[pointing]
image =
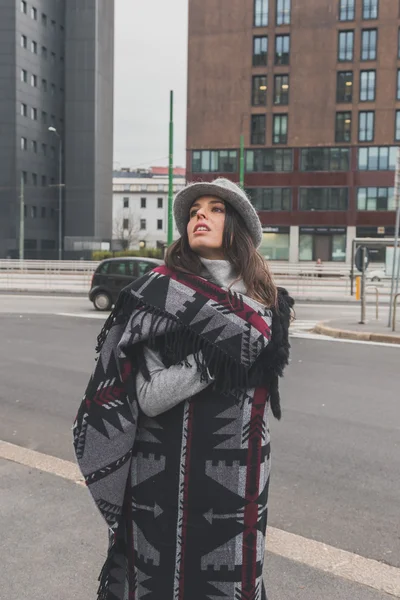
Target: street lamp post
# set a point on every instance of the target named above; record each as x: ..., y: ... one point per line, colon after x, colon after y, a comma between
x: 54, y: 130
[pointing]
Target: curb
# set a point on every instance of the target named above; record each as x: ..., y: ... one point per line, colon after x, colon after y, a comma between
x: 366, y: 336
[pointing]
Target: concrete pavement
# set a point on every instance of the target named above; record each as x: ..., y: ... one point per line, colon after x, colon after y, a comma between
x: 54, y: 542
x: 371, y: 331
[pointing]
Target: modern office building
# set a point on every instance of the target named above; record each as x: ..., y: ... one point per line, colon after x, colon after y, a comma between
x: 314, y: 87
x: 56, y: 71
x: 140, y: 207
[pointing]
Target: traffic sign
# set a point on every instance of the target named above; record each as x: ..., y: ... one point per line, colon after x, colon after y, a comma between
x: 359, y: 258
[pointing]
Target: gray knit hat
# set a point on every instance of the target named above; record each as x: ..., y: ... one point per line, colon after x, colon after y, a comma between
x: 227, y: 191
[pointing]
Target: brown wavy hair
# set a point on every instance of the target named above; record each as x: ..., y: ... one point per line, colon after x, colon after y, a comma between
x: 239, y: 250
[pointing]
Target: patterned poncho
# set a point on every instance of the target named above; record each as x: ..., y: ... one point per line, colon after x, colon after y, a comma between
x: 184, y: 494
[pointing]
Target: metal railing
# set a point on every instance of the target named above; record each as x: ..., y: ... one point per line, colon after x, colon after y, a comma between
x: 395, y: 299
x: 373, y: 287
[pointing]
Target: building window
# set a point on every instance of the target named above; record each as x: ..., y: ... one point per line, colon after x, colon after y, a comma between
x: 24, y: 143
x: 281, y: 89
x: 398, y: 85
x: 260, y: 51
x: 269, y: 160
x: 34, y: 80
x: 222, y: 161
x: 259, y: 91
x: 126, y: 202
x: 397, y: 127
x: 24, y: 7
x: 345, y: 46
x: 34, y: 179
x: 344, y: 86
x: 34, y: 114
x: 282, y: 49
x: 53, y: 152
x: 53, y: 24
x: 159, y: 224
x: 34, y: 146
x: 258, y: 127
x: 377, y: 158
x: 325, y: 159
x: 24, y: 110
x: 24, y: 41
x: 44, y: 117
x: 142, y: 202
x: 323, y: 242
x: 53, y: 89
x: 373, y: 198
x: 367, y: 86
x: 280, y: 132
x: 44, y: 85
x: 369, y: 39
x: 276, y: 198
x: 125, y: 224
x: 260, y: 13
x: 142, y: 224
x: 34, y: 47
x: 33, y: 212
x: 315, y: 198
x: 24, y: 76
x: 44, y: 181
x: 159, y: 203
x: 44, y: 52
x: 343, y: 127
x: 43, y: 212
x: 370, y: 9
x: 275, y: 245
x: 366, y: 120
x: 24, y: 177
x: 346, y: 10
x: 53, y: 58
x: 44, y: 20
x: 34, y: 13
x: 283, y: 12
x: 44, y: 149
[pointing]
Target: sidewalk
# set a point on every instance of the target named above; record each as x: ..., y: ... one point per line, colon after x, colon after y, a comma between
x: 372, y: 331
x: 53, y: 545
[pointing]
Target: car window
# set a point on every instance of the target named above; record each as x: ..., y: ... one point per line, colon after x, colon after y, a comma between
x: 144, y: 267
x: 131, y: 268
x: 117, y: 268
x: 103, y: 268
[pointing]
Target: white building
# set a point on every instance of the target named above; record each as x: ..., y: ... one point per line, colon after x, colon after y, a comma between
x: 140, y: 208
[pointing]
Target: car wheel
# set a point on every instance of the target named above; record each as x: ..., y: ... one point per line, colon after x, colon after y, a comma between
x: 375, y: 279
x: 102, y: 301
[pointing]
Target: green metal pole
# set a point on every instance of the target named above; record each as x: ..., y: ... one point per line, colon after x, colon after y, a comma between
x: 171, y: 170
x: 241, y: 163
x: 21, y: 219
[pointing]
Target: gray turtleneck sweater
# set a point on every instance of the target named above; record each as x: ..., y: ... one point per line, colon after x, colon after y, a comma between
x: 169, y: 387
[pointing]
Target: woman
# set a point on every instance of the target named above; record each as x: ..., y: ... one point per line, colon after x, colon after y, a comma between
x: 172, y: 435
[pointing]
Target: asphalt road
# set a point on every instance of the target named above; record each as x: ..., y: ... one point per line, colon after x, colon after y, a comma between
x: 336, y: 452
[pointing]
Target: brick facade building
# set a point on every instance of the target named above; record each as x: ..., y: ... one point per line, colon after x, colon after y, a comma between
x: 314, y: 87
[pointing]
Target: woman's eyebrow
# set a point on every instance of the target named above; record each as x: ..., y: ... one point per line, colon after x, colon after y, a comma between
x: 211, y: 202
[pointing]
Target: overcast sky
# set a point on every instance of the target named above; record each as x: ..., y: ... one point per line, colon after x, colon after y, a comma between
x: 150, y: 60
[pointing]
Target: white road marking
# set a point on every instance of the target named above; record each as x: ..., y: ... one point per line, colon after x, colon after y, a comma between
x: 83, y: 315
x: 318, y: 555
x: 45, y: 296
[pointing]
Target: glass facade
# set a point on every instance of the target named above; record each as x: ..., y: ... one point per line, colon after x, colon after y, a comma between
x: 272, y: 199
x: 275, y: 246
x: 213, y: 161
x: 325, y: 159
x: 319, y: 198
x: 269, y: 160
x: 377, y: 158
x: 375, y: 198
x: 327, y: 244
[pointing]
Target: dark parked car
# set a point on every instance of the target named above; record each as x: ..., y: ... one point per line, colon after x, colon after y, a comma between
x: 113, y: 274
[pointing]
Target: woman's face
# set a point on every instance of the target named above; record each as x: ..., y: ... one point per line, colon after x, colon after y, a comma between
x: 206, y: 227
